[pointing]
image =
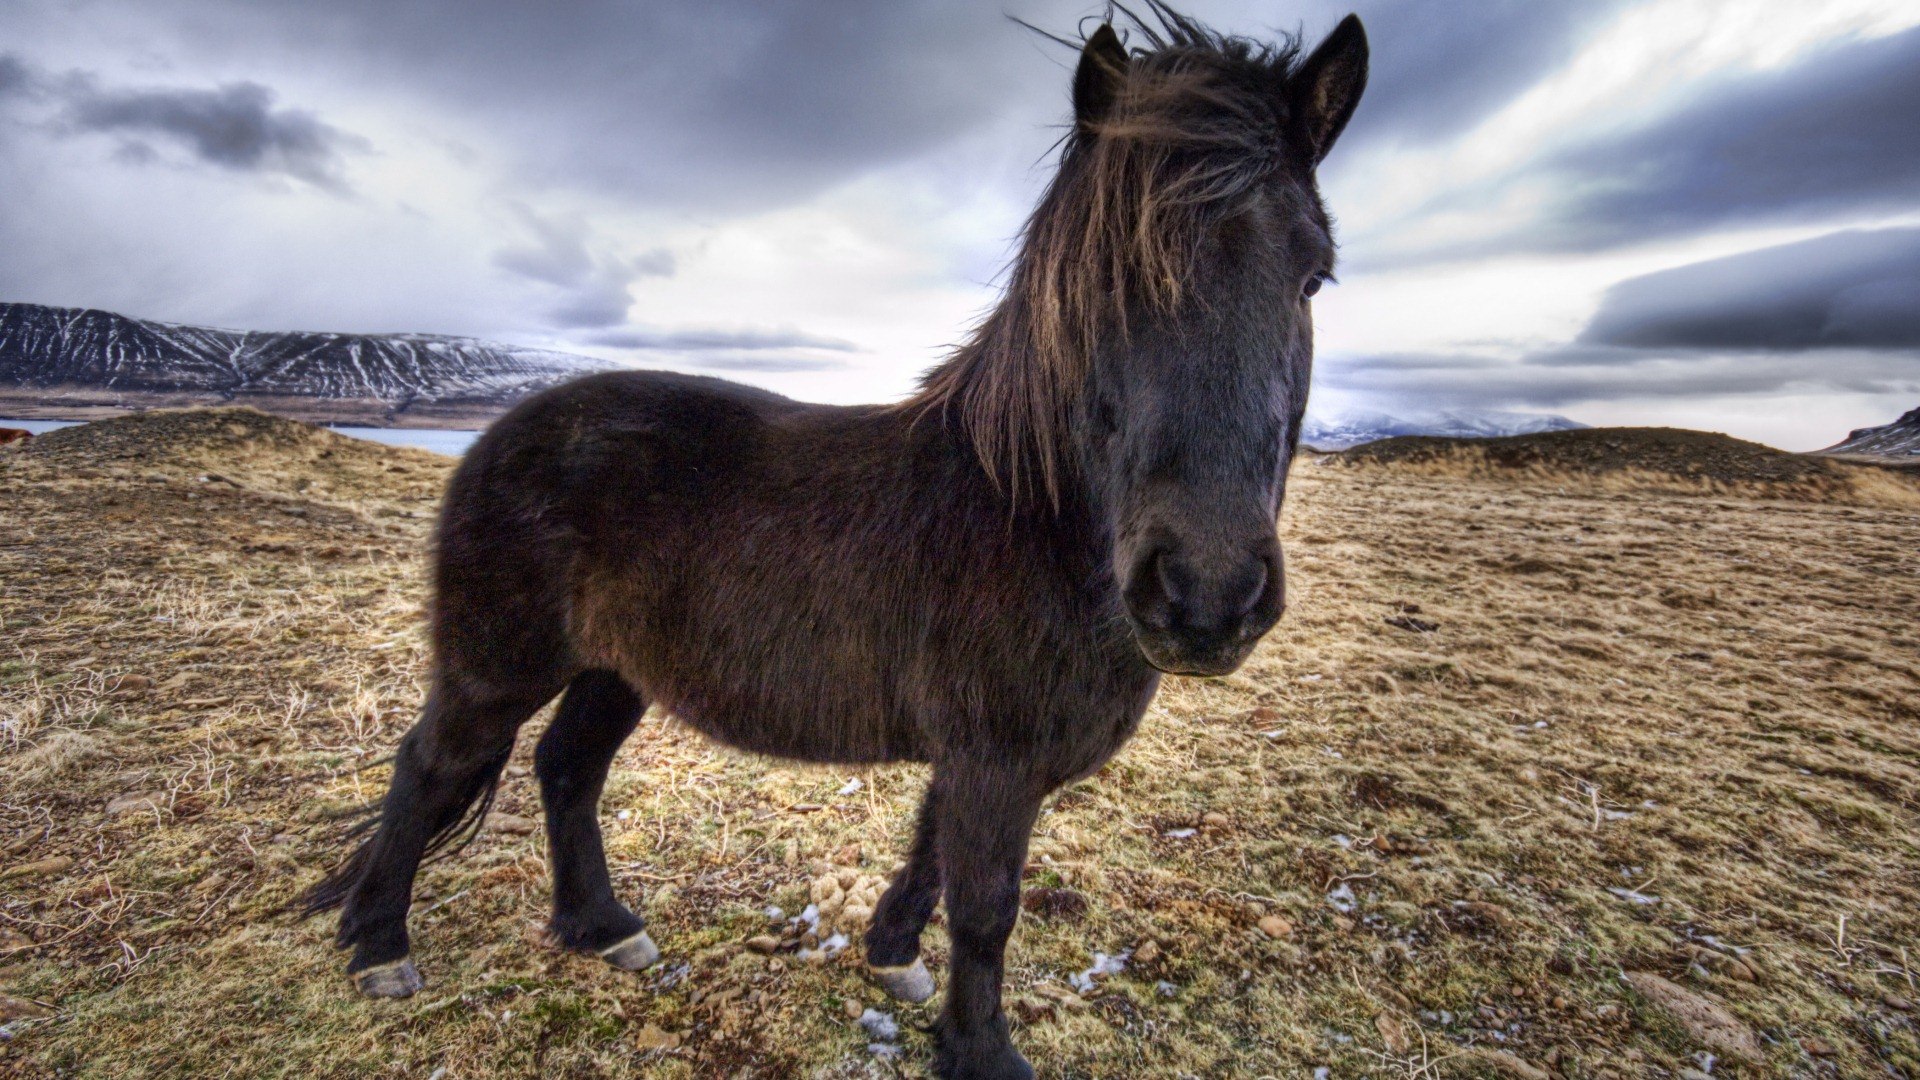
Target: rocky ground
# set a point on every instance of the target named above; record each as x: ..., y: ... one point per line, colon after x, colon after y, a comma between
x: 1545, y: 774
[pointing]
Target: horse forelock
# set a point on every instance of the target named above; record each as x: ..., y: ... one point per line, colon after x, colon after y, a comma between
x: 1195, y: 124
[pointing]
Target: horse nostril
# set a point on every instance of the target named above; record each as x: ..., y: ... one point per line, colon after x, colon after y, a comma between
x: 1253, y: 596
x: 1151, y: 594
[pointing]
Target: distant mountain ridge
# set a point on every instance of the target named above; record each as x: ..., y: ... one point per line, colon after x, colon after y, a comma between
x: 81, y: 360
x: 1354, y: 428
x: 1899, y: 439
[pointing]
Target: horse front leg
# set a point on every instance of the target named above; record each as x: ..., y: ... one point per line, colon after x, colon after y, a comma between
x: 984, y: 825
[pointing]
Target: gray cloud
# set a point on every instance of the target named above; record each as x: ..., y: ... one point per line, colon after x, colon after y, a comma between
x: 14, y: 76
x: 1830, y: 136
x: 1837, y: 313
x: 1835, y: 133
x: 234, y: 126
x: 715, y: 339
x: 1571, y: 375
x: 738, y: 104
x: 768, y: 362
x: 593, y: 287
x: 1859, y: 288
x: 730, y: 105
x: 1439, y: 68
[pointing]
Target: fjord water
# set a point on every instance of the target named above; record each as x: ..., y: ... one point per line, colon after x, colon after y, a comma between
x: 438, y: 440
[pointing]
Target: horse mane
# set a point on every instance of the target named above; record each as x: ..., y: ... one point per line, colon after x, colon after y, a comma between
x: 1196, y: 122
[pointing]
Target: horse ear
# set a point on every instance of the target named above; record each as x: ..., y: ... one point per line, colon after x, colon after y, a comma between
x: 1328, y: 85
x: 1096, y: 84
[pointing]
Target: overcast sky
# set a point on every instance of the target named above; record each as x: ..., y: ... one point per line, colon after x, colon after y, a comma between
x: 1693, y: 212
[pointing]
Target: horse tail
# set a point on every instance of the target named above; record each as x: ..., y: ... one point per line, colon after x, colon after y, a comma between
x: 461, y: 823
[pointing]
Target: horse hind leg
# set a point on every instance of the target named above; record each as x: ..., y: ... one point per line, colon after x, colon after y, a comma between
x: 597, y: 714
x: 893, y: 941
x: 444, y: 777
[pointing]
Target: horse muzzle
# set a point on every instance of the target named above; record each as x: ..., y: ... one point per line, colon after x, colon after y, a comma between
x: 1204, y: 616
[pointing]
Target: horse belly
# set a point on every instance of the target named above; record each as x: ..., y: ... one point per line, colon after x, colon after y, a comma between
x: 830, y: 733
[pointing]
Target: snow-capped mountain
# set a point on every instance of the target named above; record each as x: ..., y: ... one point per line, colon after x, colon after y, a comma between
x: 1347, y: 429
x: 100, y: 359
x: 1899, y: 439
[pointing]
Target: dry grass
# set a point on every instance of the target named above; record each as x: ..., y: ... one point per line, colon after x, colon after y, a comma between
x: 1646, y: 732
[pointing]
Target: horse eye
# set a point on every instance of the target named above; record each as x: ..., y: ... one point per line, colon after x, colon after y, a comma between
x: 1313, y: 285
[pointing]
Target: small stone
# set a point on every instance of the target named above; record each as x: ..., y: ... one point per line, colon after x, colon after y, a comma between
x: 1501, y: 1063
x: 1276, y: 927
x: 1060, y: 996
x: 38, y: 868
x: 1031, y: 1009
x: 852, y: 1008
x: 1393, y: 1034
x: 1491, y: 914
x: 652, y: 1037
x: 512, y: 824
x: 1731, y: 966
x: 766, y: 944
x: 1214, y: 819
x: 132, y: 684
x: 1817, y: 1046
x: 1343, y: 924
x: 1895, y: 1001
x: 1146, y: 952
x: 1560, y: 1002
x: 13, y: 1008
x: 517, y: 770
x: 143, y: 801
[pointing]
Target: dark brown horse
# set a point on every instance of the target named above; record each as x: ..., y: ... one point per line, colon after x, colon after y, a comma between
x: 989, y: 577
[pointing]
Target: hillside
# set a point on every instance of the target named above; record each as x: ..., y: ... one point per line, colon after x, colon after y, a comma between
x: 1662, y: 459
x: 1899, y: 440
x: 1352, y: 428
x: 1545, y: 774
x: 81, y: 363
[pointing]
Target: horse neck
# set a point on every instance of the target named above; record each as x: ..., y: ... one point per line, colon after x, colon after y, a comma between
x: 1073, y: 522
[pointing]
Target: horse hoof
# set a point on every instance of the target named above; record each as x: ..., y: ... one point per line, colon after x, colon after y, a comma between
x: 395, y: 980
x: 907, y: 982
x: 634, y: 954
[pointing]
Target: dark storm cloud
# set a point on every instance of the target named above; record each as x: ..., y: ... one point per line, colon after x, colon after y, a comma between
x: 1859, y: 288
x: 1835, y: 133
x: 234, y: 126
x: 739, y: 104
x: 1840, y: 312
x: 1570, y: 375
x: 725, y: 340
x: 1439, y: 68
x: 1830, y: 136
x: 13, y: 74
x: 730, y: 105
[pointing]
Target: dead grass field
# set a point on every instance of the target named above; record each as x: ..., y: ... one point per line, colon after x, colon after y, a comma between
x: 1541, y: 776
